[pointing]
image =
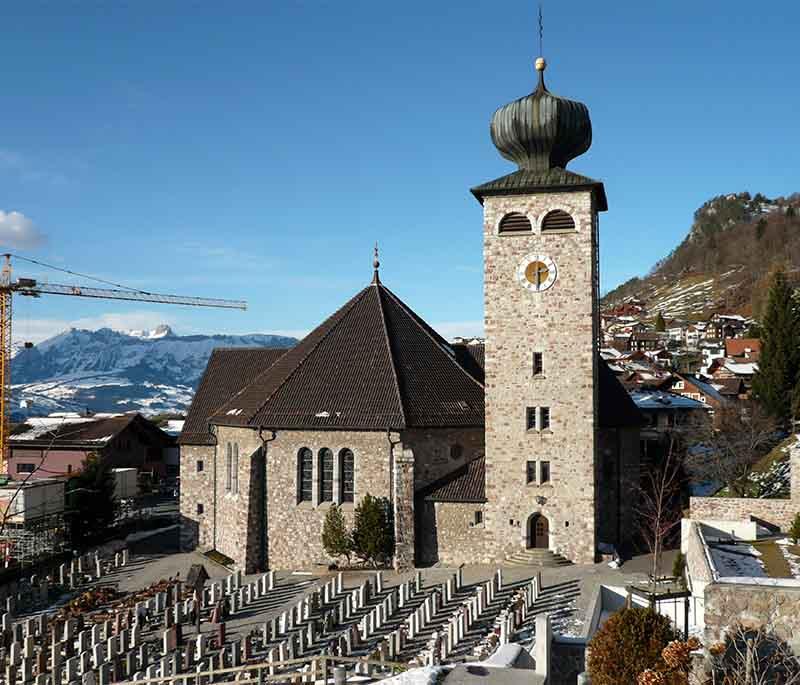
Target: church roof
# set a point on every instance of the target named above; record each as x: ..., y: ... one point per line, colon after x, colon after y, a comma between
x: 551, y: 180
x: 228, y: 371
x: 373, y: 365
x: 466, y: 484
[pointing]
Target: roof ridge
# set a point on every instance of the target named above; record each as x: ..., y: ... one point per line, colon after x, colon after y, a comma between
x: 386, y: 338
x: 426, y: 329
x: 349, y: 308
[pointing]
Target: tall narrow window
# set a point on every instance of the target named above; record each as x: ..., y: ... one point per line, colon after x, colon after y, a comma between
x: 347, y: 464
x: 305, y: 475
x: 229, y: 468
x: 325, y: 475
x: 530, y: 418
x: 235, y: 474
x: 530, y: 472
x: 538, y: 364
x: 544, y: 418
x: 544, y: 471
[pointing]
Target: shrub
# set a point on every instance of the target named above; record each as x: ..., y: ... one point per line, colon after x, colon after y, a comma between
x: 335, y: 538
x: 630, y: 641
x: 794, y: 529
x: 373, y: 531
x: 679, y: 567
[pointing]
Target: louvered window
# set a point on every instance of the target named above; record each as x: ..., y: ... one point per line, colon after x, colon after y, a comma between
x: 514, y: 223
x: 305, y: 475
x: 558, y: 220
x: 325, y: 475
x: 347, y: 463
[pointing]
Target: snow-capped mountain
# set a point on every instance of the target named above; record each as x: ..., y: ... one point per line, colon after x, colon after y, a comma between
x: 105, y: 370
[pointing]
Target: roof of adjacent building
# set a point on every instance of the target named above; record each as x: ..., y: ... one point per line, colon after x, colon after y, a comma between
x: 658, y: 400
x: 466, y: 484
x: 739, y: 347
x: 228, y: 371
x: 68, y: 431
x: 373, y: 365
x: 551, y: 180
x: 729, y: 386
x: 616, y: 408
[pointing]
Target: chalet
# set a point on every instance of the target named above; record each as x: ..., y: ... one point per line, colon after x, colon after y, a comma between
x: 59, y: 444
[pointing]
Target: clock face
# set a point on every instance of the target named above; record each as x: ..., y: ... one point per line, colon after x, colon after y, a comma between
x: 537, y: 272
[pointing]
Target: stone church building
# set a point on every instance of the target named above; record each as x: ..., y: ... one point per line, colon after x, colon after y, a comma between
x: 484, y: 451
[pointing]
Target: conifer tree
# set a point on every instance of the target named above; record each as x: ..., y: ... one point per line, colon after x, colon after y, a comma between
x: 778, y: 367
x: 373, y: 531
x: 335, y: 538
x: 661, y: 325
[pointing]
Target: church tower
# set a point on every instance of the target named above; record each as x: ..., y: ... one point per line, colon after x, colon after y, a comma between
x: 541, y: 316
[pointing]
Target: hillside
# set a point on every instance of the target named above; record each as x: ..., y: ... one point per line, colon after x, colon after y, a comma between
x: 104, y: 370
x: 723, y: 264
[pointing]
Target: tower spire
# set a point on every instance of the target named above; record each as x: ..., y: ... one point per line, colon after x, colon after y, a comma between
x: 376, y: 265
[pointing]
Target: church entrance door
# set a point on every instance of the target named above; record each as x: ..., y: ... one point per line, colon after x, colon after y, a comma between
x: 538, y: 532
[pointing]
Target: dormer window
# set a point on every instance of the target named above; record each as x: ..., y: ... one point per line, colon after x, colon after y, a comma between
x: 558, y: 220
x: 515, y: 223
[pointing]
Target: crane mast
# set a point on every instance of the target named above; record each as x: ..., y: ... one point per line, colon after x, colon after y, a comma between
x: 31, y: 288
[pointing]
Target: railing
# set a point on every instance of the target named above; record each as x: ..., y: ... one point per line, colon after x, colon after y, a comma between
x: 319, y: 668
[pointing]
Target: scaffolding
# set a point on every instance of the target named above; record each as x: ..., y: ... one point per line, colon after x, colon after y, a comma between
x: 24, y: 544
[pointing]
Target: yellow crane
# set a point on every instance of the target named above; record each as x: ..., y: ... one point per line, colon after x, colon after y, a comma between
x: 31, y: 288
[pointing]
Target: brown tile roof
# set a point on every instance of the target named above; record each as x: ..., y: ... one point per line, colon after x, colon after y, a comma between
x: 617, y: 409
x: 83, y: 431
x: 374, y: 364
x: 228, y: 371
x: 730, y: 386
x: 737, y: 347
x: 466, y: 484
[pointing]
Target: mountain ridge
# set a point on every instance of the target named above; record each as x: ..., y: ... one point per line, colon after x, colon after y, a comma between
x: 106, y: 370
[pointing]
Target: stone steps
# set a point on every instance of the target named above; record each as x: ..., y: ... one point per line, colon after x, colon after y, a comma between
x: 536, y: 557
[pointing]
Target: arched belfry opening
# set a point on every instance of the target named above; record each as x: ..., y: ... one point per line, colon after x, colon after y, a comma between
x: 538, y: 532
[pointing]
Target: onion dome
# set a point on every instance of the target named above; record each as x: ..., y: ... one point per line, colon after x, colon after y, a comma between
x: 542, y: 131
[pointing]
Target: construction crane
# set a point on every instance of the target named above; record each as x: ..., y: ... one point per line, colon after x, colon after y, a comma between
x: 31, y: 288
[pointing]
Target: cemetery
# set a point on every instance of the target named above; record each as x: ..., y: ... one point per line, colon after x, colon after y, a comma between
x: 75, y: 627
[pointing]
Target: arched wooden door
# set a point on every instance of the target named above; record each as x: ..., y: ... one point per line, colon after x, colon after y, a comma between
x: 538, y: 532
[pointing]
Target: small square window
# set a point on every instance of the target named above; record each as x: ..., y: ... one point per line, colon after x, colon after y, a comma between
x: 544, y: 471
x: 199, y: 466
x: 199, y: 508
x: 544, y: 418
x: 530, y: 418
x: 538, y: 364
x: 530, y: 472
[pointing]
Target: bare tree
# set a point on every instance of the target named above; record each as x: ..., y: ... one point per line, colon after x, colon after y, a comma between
x: 658, y: 507
x: 753, y: 656
x: 728, y: 452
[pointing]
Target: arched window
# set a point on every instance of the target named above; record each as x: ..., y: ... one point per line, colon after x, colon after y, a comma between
x: 347, y: 466
x: 325, y: 475
x: 305, y: 475
x: 514, y: 223
x: 558, y: 220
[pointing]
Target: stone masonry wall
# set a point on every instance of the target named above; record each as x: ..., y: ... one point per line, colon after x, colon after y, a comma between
x: 560, y: 323
x: 197, y: 488
x: 459, y: 539
x: 432, y: 450
x: 752, y: 605
x: 779, y: 512
x: 295, y: 529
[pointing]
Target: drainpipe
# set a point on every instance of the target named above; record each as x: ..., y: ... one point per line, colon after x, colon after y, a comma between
x: 212, y: 431
x: 264, y: 493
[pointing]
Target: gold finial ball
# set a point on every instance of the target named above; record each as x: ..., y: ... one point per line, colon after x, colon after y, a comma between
x: 541, y: 65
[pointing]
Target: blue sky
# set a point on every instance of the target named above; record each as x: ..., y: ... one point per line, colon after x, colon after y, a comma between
x: 258, y: 150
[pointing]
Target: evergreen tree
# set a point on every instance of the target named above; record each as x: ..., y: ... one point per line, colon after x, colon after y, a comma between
x: 661, y: 325
x: 373, y: 531
x: 761, y: 227
x: 790, y: 212
x: 91, y: 504
x: 778, y: 367
x: 335, y: 538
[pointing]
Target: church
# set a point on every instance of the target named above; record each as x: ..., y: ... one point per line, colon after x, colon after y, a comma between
x: 525, y: 447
